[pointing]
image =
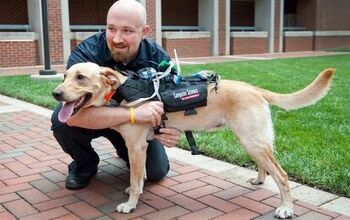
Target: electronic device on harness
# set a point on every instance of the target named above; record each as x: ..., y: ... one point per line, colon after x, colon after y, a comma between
x: 178, y: 93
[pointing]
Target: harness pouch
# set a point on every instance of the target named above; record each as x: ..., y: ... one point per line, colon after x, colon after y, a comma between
x: 133, y: 89
x: 185, y: 98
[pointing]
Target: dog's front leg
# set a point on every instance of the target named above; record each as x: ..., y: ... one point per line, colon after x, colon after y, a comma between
x: 137, y: 157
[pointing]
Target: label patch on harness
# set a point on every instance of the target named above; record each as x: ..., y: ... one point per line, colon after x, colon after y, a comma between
x: 187, y: 94
x: 188, y: 97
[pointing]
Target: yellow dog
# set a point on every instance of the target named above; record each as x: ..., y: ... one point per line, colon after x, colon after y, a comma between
x: 240, y: 106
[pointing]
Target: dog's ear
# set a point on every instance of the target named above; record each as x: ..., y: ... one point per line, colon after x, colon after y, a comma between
x: 110, y: 76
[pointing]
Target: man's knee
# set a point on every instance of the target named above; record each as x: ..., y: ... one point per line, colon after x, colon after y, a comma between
x: 63, y: 136
x: 55, y: 123
x: 157, y: 163
x: 69, y: 137
x: 155, y: 174
x: 61, y: 131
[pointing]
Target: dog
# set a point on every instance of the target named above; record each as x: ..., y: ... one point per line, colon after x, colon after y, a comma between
x: 240, y: 106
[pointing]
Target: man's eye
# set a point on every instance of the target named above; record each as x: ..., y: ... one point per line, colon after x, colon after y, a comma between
x: 80, y: 77
x: 128, y: 31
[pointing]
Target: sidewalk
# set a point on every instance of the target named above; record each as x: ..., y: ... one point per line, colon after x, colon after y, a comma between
x: 33, y: 169
x: 264, y: 56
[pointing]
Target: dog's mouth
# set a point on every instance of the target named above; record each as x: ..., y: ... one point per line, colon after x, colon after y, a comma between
x: 68, y: 109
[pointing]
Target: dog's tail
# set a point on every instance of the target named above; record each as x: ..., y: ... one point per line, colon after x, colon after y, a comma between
x: 305, y: 97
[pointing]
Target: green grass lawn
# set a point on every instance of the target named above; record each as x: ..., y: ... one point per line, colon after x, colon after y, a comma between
x: 312, y: 144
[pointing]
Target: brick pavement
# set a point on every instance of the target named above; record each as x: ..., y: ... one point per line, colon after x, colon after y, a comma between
x: 33, y: 169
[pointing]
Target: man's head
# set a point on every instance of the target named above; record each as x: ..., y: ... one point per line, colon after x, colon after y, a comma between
x: 126, y: 27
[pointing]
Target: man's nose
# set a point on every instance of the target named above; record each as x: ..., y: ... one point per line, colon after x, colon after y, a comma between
x: 117, y: 38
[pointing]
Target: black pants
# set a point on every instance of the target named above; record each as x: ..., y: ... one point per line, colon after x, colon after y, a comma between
x: 76, y: 142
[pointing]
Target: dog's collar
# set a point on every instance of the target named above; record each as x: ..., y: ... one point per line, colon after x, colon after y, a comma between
x: 108, y: 96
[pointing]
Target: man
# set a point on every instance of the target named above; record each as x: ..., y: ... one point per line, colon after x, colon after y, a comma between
x: 123, y: 46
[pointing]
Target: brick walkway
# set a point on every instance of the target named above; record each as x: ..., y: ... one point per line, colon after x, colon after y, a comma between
x: 33, y: 169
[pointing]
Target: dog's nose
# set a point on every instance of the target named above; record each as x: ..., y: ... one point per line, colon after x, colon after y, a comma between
x: 58, y: 94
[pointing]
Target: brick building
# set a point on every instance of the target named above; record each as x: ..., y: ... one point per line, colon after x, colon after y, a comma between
x: 194, y: 27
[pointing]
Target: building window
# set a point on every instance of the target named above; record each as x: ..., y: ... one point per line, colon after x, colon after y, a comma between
x: 14, y: 16
x: 291, y: 16
x: 180, y: 15
x: 242, y: 15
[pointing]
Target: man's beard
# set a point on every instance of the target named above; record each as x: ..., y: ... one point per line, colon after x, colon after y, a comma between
x: 120, y: 57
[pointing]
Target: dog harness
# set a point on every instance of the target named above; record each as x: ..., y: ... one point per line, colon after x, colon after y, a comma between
x: 178, y: 93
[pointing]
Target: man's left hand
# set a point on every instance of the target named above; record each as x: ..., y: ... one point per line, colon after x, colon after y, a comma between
x: 169, y: 137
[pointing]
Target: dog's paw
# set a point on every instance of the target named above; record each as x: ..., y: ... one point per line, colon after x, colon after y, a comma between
x: 256, y: 181
x: 284, y: 212
x: 125, y: 207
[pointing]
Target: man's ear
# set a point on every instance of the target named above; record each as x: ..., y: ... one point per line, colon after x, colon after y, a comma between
x: 146, y: 30
x: 110, y: 76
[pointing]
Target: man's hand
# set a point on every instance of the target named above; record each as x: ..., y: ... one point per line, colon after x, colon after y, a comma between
x: 169, y: 137
x: 150, y: 112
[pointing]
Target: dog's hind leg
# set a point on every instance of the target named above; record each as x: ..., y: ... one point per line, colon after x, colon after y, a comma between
x: 263, y: 155
x: 253, y: 128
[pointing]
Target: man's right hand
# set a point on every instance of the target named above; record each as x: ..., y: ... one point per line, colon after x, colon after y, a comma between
x: 150, y: 112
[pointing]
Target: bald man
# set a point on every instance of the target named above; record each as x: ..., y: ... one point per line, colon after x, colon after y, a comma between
x: 124, y: 46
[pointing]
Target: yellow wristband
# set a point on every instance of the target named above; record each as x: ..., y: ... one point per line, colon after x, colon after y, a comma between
x: 132, y: 115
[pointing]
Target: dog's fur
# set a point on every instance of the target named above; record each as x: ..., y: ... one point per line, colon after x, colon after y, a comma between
x: 240, y: 106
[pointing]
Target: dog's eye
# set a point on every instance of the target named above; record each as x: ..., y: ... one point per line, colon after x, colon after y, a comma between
x: 80, y: 77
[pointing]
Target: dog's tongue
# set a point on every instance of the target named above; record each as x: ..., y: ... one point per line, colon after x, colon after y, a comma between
x: 66, y: 111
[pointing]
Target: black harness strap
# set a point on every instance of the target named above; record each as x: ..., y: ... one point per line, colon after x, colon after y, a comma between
x: 192, y: 143
x: 189, y: 137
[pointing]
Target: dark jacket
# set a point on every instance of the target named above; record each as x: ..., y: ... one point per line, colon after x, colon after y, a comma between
x: 94, y: 49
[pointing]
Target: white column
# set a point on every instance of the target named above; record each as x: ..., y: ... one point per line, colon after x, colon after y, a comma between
x: 215, y: 50
x: 36, y: 23
x: 159, y: 22
x: 265, y: 19
x: 227, y: 27
x: 280, y: 46
x: 65, y: 29
x: 208, y: 20
x: 272, y: 27
x: 158, y: 19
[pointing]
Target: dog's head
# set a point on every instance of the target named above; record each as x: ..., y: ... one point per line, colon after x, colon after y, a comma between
x: 84, y: 85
